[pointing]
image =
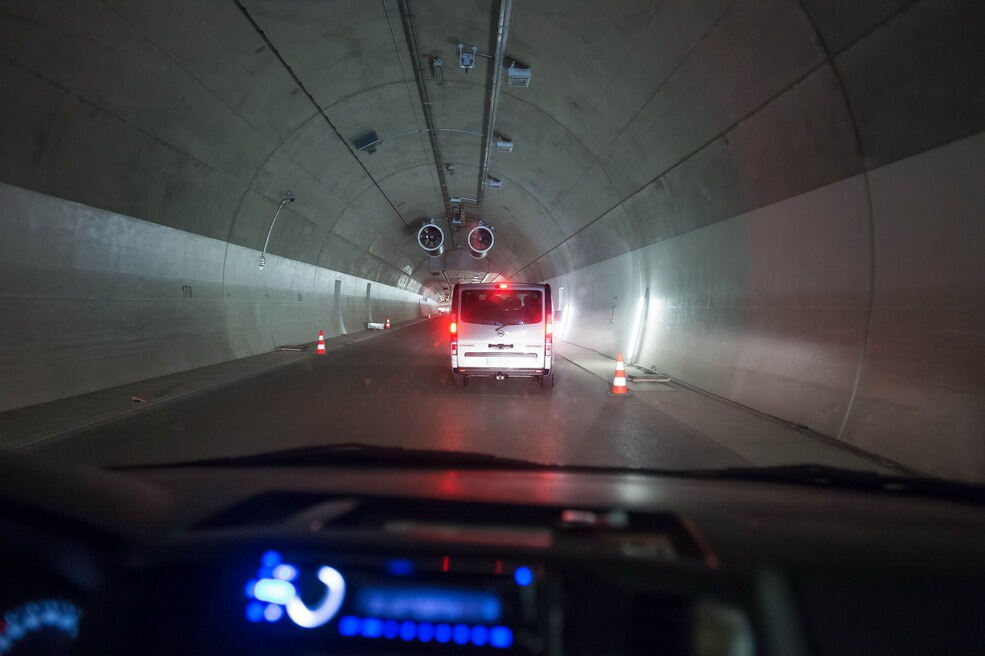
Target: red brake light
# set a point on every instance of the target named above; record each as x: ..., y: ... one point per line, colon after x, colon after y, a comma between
x: 549, y: 334
x: 503, y: 285
x: 453, y: 336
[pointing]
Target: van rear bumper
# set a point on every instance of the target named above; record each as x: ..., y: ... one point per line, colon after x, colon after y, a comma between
x: 479, y: 372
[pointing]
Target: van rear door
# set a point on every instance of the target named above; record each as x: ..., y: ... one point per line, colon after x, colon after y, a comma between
x: 501, y: 328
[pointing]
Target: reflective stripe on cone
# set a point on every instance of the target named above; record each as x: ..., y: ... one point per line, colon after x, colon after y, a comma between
x: 321, y: 343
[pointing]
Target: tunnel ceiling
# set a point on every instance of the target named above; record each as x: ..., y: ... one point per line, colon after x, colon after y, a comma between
x: 643, y: 119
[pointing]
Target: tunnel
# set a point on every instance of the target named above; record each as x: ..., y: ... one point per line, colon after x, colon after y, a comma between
x: 777, y: 204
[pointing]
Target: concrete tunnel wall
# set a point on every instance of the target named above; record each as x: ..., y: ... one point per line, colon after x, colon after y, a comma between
x: 811, y: 215
x: 90, y: 299
x: 857, y: 319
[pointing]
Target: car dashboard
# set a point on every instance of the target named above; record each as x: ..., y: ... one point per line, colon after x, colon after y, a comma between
x: 391, y: 560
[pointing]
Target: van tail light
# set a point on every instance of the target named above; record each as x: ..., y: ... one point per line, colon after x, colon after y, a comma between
x: 453, y: 334
x: 549, y: 335
x: 453, y: 326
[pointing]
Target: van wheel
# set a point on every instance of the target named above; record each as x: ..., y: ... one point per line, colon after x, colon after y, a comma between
x: 547, y: 381
x: 461, y: 381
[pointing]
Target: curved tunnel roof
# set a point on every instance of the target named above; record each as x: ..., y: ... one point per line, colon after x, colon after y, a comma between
x: 643, y: 120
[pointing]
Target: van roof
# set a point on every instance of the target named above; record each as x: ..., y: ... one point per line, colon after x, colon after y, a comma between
x: 495, y: 285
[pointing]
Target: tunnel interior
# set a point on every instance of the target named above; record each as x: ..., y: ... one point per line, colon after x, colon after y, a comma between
x: 778, y: 203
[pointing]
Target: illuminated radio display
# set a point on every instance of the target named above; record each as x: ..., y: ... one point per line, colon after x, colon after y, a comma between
x: 429, y: 604
x: 387, y: 605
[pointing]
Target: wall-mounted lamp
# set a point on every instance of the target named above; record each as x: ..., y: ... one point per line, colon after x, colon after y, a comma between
x: 286, y: 197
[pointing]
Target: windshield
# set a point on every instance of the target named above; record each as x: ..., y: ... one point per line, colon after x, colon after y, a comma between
x: 237, y: 228
x: 499, y: 307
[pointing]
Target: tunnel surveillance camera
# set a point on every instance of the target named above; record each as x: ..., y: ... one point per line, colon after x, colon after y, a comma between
x: 431, y: 238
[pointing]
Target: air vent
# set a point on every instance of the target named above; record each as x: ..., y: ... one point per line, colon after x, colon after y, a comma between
x: 263, y: 510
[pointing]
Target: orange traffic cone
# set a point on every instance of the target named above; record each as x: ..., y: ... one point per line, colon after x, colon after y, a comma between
x: 321, y: 343
x: 619, y: 380
x: 387, y: 326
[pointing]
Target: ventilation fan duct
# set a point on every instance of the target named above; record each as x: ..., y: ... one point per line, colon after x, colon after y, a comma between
x: 431, y: 238
x: 480, y: 241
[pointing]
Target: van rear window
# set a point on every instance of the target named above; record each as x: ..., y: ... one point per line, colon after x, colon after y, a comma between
x: 507, y: 307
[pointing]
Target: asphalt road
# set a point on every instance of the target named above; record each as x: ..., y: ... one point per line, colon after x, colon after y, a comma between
x: 396, y: 389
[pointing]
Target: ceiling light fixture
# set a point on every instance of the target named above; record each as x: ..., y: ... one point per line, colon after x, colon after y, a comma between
x: 503, y: 143
x: 518, y: 75
x: 467, y: 58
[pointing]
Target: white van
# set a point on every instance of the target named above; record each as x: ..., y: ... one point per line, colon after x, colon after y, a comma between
x: 502, y: 330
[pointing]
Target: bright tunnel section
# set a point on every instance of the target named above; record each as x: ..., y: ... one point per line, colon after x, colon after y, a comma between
x: 775, y: 204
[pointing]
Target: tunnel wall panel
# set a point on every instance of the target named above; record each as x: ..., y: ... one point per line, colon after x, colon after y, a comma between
x: 771, y: 308
x: 921, y: 393
x: 91, y: 299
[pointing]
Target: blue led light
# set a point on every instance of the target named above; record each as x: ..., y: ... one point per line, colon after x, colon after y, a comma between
x: 273, y: 612
x: 391, y: 629
x: 400, y: 567
x: 372, y: 627
x: 349, y: 625
x: 274, y: 591
x: 270, y: 559
x: 461, y: 634
x: 523, y: 576
x: 500, y: 636
x: 425, y: 631
x: 248, y: 590
x: 429, y: 604
x: 285, y: 572
x: 254, y: 611
x: 480, y: 635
